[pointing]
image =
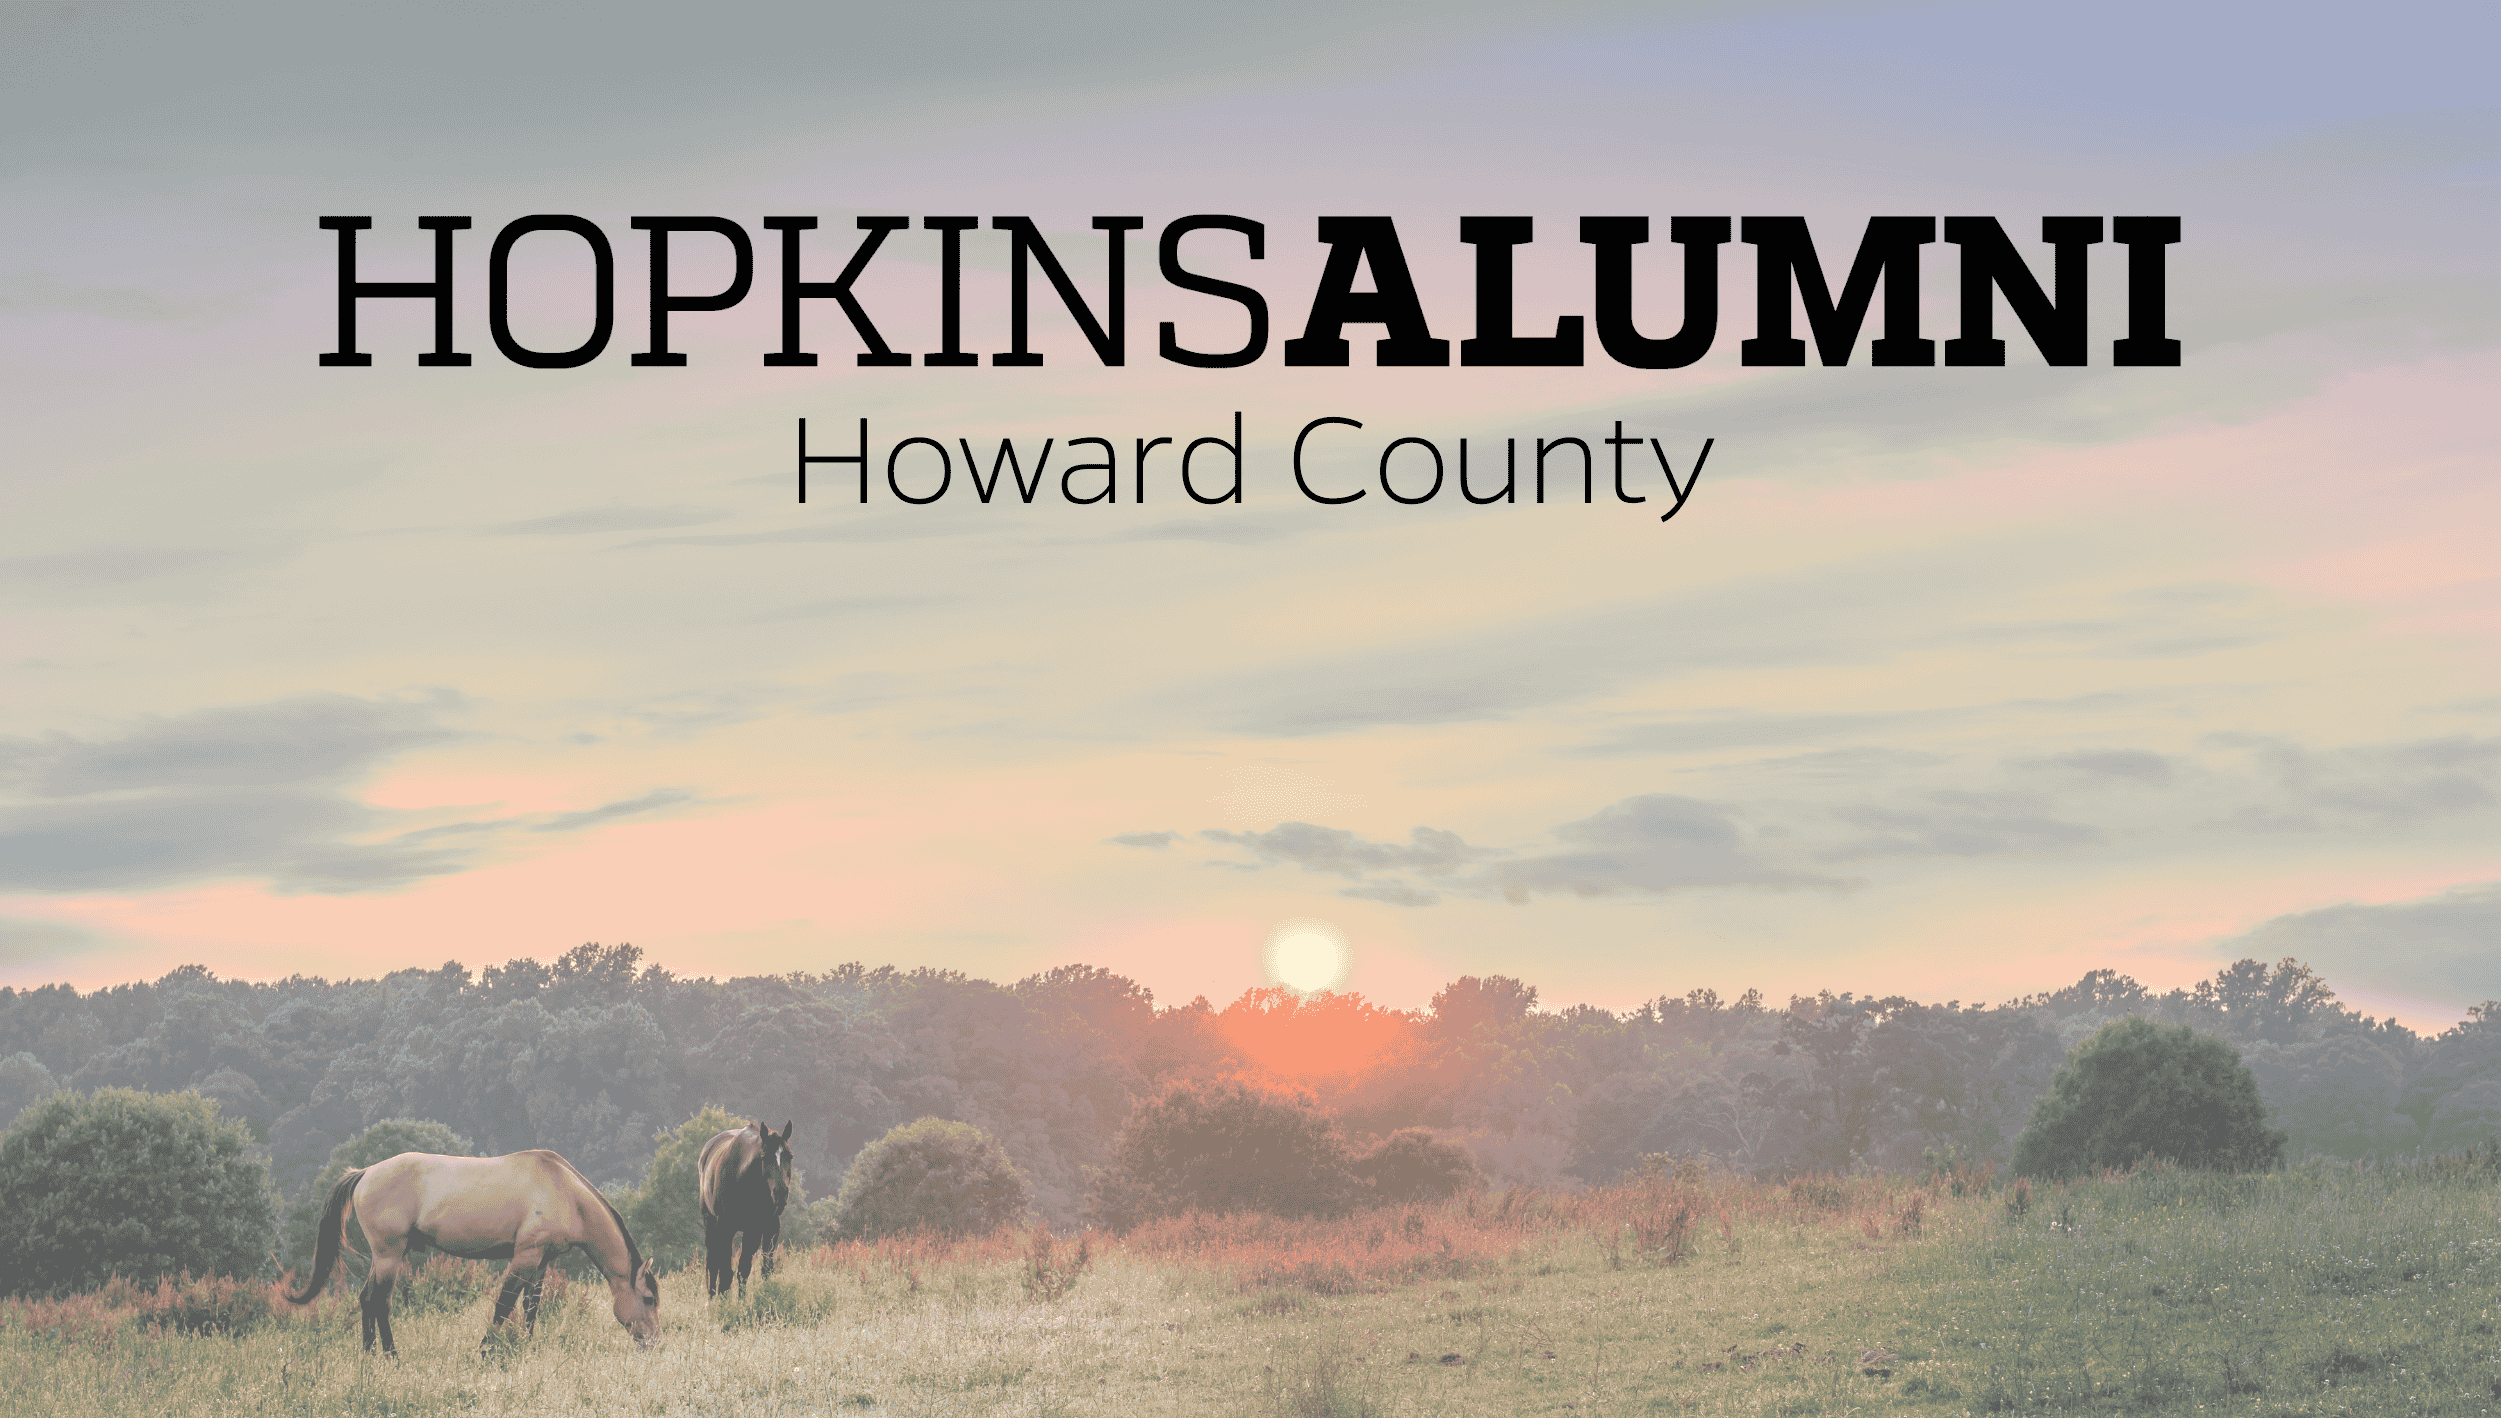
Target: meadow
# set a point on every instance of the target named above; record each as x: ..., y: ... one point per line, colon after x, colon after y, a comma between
x: 2327, y: 1289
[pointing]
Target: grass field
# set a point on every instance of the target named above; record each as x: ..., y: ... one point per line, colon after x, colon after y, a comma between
x: 2322, y: 1290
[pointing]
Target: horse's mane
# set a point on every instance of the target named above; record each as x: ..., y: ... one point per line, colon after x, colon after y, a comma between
x: 633, y: 1253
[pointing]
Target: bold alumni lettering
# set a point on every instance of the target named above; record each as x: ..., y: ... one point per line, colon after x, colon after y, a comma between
x: 1493, y: 238
x: 1890, y: 248
x: 1615, y: 238
x: 2145, y: 238
x: 1391, y: 302
x: 2055, y: 323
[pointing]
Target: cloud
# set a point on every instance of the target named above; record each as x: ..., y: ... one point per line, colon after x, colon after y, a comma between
x: 25, y: 938
x: 1156, y: 840
x: 630, y: 807
x: 1328, y: 849
x: 1649, y: 844
x: 1653, y: 843
x: 253, y: 790
x: 1262, y: 794
x: 1768, y: 730
x: 1852, y: 764
x: 1957, y: 823
x: 1862, y: 612
x: 2134, y: 764
x: 1745, y: 731
x: 309, y: 740
x: 2437, y: 949
x: 2296, y: 788
x: 1240, y: 529
x: 121, y: 572
x: 1392, y: 893
x: 610, y: 519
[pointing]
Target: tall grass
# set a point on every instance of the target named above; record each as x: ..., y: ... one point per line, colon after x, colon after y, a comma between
x: 2331, y: 1288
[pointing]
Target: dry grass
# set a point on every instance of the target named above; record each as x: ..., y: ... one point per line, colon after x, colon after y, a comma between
x: 1679, y: 1292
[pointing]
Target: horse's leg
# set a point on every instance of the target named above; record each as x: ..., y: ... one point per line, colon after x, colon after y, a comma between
x: 374, y: 1301
x: 772, y: 1248
x: 746, y: 1259
x: 522, y: 1274
x: 716, y: 1269
x: 529, y: 1301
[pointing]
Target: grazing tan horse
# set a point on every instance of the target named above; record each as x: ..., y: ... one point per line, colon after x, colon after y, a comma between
x: 743, y: 1177
x: 528, y: 1208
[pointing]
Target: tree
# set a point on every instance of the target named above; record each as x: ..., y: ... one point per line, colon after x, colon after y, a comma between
x: 1413, y: 1165
x: 930, y: 1175
x: 124, y: 1183
x: 387, y: 1138
x: 665, y: 1213
x: 1227, y: 1147
x: 1469, y: 1004
x: 2140, y: 1090
x: 24, y: 1081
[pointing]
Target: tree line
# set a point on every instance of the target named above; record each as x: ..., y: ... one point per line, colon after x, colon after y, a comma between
x: 597, y: 1055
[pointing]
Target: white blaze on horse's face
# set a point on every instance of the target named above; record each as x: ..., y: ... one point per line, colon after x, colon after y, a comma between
x: 638, y: 1305
x: 777, y: 1162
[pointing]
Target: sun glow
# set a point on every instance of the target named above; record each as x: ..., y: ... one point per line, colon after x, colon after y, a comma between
x: 1307, y: 955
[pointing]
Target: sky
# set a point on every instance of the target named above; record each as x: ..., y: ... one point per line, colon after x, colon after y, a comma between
x: 1951, y: 682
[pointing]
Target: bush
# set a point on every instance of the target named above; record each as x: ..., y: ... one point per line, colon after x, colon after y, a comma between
x: 387, y: 1138
x: 132, y: 1184
x: 1226, y: 1148
x: 1413, y: 1165
x: 932, y: 1175
x: 2139, y: 1090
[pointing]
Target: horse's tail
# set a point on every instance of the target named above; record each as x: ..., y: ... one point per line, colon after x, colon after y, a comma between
x: 328, y: 1233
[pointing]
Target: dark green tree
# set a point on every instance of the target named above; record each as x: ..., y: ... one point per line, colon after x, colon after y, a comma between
x: 119, y: 1182
x: 387, y: 1138
x: 930, y: 1175
x: 1226, y: 1147
x: 2140, y: 1090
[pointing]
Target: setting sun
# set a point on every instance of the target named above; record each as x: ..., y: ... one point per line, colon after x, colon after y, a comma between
x: 1307, y: 955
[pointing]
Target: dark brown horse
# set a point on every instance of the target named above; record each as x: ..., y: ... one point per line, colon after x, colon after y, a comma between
x: 744, y: 1178
x: 528, y: 1208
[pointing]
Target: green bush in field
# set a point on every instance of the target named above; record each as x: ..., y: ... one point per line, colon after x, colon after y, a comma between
x: 1226, y: 1147
x: 2139, y: 1090
x: 133, y: 1184
x: 1413, y: 1165
x: 931, y: 1175
x: 387, y: 1138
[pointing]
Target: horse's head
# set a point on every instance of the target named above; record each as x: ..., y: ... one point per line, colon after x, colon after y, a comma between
x: 774, y: 1157
x: 638, y: 1304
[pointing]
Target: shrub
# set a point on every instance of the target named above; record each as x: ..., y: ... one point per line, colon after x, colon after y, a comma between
x: 2139, y: 1090
x: 1226, y: 1147
x: 387, y: 1138
x: 132, y: 1184
x: 930, y: 1175
x: 1413, y: 1165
